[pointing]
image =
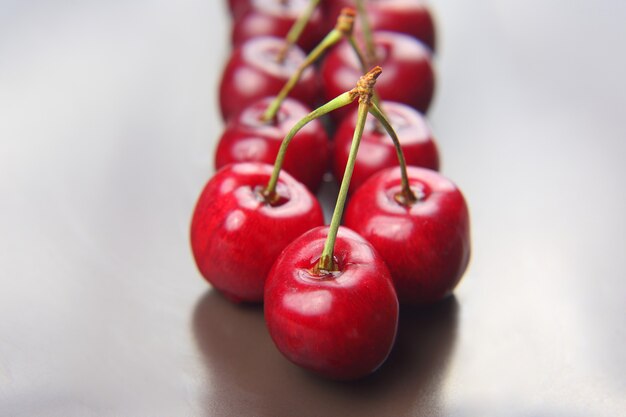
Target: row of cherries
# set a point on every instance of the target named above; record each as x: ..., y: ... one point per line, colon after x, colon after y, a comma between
x: 331, y: 294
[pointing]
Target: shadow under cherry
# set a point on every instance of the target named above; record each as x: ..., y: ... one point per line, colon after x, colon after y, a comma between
x: 246, y: 375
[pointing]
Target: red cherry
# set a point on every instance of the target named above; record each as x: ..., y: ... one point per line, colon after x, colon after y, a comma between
x: 254, y: 72
x: 376, y: 150
x: 427, y: 244
x: 412, y: 17
x: 236, y: 235
x: 238, y: 7
x: 248, y: 138
x: 339, y: 324
x: 275, y: 18
x: 409, y: 75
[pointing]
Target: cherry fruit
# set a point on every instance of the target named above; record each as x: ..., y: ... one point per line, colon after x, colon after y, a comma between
x: 255, y: 71
x: 249, y: 138
x: 341, y: 324
x: 412, y: 17
x: 408, y: 64
x: 425, y: 243
x: 237, y: 233
x: 275, y: 18
x: 377, y: 151
x: 238, y: 7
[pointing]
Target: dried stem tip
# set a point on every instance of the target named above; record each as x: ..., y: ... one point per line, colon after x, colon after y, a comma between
x: 365, y: 85
x: 345, y: 21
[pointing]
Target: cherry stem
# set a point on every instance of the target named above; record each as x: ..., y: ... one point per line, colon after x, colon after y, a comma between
x: 367, y: 32
x: 365, y: 88
x: 344, y: 25
x: 269, y: 193
x: 363, y: 63
x: 296, y: 30
x: 406, y: 196
x: 358, y: 52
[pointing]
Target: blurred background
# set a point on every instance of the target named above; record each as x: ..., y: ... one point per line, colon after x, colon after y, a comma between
x: 108, y: 122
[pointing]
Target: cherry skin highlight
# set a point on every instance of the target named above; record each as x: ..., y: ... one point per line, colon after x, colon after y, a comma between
x: 412, y: 17
x: 272, y: 18
x: 409, y: 76
x: 254, y: 71
x: 339, y: 324
x: 236, y: 235
x: 247, y: 138
x: 426, y: 245
x: 376, y: 151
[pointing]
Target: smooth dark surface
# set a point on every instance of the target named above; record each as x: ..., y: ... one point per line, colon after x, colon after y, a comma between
x: 108, y: 122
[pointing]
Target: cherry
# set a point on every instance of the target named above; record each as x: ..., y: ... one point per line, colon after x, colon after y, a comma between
x: 276, y: 18
x: 248, y: 137
x: 255, y: 71
x: 342, y: 323
x: 426, y: 242
x: 410, y: 80
x: 238, y: 7
x: 237, y: 232
x: 412, y: 17
x: 377, y: 151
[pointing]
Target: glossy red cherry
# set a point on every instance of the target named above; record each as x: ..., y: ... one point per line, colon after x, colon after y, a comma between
x: 247, y: 138
x: 409, y: 75
x: 275, y: 18
x: 341, y: 324
x: 254, y: 72
x: 412, y: 17
x: 236, y: 235
x: 376, y: 150
x: 426, y: 245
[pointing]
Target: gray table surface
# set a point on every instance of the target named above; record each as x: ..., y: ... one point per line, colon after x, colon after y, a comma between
x: 108, y: 121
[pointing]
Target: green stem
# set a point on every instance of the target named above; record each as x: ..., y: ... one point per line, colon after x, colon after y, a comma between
x: 406, y: 196
x: 367, y: 32
x: 358, y: 52
x: 297, y: 28
x: 342, y: 100
x: 365, y: 87
x: 362, y: 61
x: 343, y: 28
x: 327, y: 263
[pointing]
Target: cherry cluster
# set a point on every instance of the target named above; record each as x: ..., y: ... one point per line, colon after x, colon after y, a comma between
x: 331, y: 294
